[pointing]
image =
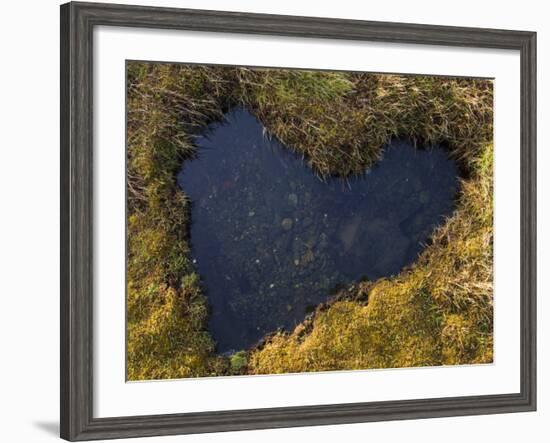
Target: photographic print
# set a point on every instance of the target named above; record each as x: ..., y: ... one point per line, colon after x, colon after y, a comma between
x: 286, y: 221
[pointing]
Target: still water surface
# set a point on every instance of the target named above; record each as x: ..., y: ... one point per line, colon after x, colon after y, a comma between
x: 271, y: 240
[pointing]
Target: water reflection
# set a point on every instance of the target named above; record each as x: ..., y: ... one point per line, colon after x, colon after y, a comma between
x: 270, y: 239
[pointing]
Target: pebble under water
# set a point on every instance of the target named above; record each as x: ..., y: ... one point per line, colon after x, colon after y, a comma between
x: 271, y: 240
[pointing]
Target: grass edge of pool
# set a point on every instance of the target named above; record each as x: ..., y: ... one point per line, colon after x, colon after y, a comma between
x: 437, y: 312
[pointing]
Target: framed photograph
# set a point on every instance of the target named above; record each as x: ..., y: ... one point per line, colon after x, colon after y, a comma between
x: 273, y: 221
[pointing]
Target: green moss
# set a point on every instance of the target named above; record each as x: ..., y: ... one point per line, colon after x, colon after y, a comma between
x: 238, y: 362
x: 437, y: 312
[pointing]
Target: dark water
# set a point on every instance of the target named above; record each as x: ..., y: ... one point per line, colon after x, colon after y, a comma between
x: 271, y: 240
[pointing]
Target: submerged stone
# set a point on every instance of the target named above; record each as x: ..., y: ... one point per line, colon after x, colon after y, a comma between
x: 327, y: 233
x: 293, y: 199
x: 287, y: 224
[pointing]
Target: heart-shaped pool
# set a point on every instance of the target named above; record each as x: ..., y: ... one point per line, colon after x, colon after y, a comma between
x: 271, y: 240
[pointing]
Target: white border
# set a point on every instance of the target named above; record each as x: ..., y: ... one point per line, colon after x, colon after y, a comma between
x: 114, y: 397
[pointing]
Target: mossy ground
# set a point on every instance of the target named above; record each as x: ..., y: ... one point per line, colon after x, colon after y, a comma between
x: 439, y: 311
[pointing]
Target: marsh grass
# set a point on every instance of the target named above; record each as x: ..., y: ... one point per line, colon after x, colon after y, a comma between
x: 438, y: 311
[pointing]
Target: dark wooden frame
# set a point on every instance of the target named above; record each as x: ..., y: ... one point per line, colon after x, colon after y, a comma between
x: 77, y: 24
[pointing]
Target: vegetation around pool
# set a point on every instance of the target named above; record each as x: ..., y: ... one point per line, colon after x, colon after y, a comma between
x: 437, y: 311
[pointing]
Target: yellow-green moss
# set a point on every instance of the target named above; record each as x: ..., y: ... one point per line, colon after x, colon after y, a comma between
x: 437, y: 312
